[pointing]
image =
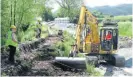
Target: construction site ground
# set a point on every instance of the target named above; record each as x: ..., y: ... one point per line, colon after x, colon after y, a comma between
x: 36, y: 59
x: 38, y: 62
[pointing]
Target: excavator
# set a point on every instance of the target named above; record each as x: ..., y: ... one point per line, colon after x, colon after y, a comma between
x: 91, y: 42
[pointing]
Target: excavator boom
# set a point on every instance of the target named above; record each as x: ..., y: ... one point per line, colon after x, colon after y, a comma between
x: 86, y: 19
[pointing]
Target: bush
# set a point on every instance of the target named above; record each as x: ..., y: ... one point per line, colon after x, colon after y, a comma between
x: 90, y: 68
x: 30, y: 34
x: 65, y: 46
x: 60, y: 48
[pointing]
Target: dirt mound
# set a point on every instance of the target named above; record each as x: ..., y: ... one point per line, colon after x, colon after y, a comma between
x: 46, y: 68
x: 23, y: 61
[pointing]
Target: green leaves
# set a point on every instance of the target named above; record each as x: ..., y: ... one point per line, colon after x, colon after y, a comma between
x: 20, y: 13
x: 65, y: 46
x: 69, y: 8
x: 47, y: 14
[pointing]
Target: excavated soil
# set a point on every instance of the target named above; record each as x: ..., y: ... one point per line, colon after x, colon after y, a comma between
x: 36, y: 60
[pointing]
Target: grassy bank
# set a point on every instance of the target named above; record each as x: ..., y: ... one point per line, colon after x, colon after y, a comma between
x: 125, y: 28
x: 123, y: 18
x: 30, y: 34
x: 65, y: 45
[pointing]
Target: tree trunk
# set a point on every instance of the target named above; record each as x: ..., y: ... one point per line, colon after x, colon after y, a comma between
x: 14, y: 12
x: 11, y: 15
x: 22, y: 14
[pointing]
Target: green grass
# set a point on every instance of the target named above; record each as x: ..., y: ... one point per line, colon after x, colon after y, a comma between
x: 90, y: 68
x: 119, y: 18
x: 30, y: 34
x: 125, y: 29
x: 81, y: 55
x: 65, y: 46
x: 123, y: 18
x: 44, y: 31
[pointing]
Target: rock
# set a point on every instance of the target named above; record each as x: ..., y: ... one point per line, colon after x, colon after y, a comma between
x: 125, y: 42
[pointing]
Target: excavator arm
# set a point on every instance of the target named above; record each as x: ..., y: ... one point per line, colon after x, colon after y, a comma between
x: 87, y: 19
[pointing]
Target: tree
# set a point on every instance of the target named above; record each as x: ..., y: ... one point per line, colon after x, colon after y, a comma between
x: 19, y: 13
x: 69, y: 8
x: 47, y: 14
x: 5, y: 20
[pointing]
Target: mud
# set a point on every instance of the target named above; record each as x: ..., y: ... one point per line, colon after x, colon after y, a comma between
x: 36, y: 60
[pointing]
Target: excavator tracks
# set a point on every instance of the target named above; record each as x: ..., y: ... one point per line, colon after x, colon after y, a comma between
x: 118, y: 60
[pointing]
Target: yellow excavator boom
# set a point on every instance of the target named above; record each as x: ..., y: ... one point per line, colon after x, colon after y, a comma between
x: 86, y: 16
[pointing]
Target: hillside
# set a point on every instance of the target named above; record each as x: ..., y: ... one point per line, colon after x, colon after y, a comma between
x: 123, y: 9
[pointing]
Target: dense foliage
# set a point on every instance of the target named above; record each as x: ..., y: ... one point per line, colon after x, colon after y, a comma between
x: 69, y: 8
x: 21, y: 13
x: 64, y: 46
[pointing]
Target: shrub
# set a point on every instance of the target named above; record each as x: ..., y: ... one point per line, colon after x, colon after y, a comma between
x: 65, y: 46
x: 90, y: 68
x: 29, y: 35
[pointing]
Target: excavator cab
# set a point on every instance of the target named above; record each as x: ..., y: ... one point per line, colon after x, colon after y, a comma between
x: 109, y: 36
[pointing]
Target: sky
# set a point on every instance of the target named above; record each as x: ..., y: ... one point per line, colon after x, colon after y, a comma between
x: 95, y: 3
